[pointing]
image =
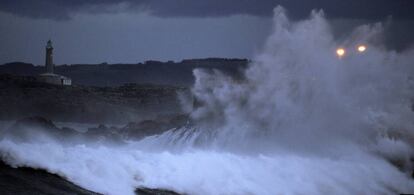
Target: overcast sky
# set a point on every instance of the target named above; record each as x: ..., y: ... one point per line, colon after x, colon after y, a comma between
x: 115, y: 31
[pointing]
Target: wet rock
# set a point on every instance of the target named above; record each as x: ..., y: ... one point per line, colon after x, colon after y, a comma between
x: 153, y: 127
x: 179, y: 120
x: 148, y: 191
x: 98, y: 130
x: 28, y: 181
x: 143, y: 128
x: 27, y: 128
x: 102, y: 132
x: 35, y: 122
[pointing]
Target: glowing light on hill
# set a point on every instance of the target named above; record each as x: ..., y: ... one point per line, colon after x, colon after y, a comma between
x: 340, y: 52
x: 362, y: 48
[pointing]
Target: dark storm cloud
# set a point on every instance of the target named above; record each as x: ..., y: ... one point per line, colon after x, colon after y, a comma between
x: 56, y: 9
x: 360, y: 9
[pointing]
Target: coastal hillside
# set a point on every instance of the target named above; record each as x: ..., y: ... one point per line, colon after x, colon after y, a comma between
x: 149, y: 72
x: 21, y: 97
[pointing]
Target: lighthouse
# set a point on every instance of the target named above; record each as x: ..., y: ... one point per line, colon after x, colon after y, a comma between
x: 49, y: 57
x: 49, y: 76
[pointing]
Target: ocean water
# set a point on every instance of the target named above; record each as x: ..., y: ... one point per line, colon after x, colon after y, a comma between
x: 303, y: 121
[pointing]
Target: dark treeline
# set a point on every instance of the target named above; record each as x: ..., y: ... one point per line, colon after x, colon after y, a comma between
x: 149, y: 72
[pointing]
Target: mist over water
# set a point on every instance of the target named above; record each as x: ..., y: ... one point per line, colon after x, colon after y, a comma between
x: 302, y: 121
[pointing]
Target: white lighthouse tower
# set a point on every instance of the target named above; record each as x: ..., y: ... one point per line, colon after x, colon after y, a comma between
x: 49, y: 76
x: 49, y: 57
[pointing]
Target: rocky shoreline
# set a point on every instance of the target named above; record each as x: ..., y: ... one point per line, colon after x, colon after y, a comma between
x: 23, y: 129
x: 26, y: 180
x: 20, y: 97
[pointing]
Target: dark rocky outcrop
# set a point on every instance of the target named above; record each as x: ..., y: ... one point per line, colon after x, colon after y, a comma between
x: 148, y: 191
x: 35, y: 122
x: 25, y: 128
x: 139, y: 130
x: 153, y: 127
x: 28, y: 181
x: 20, y: 97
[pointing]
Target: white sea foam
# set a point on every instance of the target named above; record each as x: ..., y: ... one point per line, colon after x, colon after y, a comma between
x: 118, y: 170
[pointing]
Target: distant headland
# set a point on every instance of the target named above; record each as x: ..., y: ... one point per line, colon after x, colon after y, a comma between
x: 148, y: 72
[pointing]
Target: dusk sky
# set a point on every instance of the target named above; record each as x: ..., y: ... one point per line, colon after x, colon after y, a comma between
x: 127, y: 31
